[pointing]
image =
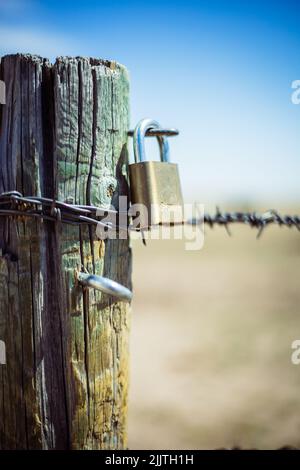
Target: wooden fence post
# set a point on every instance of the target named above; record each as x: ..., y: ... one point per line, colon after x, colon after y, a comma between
x: 63, y: 135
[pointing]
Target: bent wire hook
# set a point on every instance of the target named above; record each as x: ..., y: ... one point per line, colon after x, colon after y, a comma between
x: 105, y: 285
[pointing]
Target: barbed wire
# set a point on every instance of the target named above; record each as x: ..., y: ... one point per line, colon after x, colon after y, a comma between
x: 252, y: 219
x: 14, y: 204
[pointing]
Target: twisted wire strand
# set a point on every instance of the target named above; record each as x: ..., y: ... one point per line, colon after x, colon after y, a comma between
x: 15, y: 204
x: 252, y: 219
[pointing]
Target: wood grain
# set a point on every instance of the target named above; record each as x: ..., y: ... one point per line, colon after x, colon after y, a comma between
x: 63, y: 135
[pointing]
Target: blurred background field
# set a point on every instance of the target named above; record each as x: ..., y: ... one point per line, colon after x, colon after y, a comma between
x: 211, y: 342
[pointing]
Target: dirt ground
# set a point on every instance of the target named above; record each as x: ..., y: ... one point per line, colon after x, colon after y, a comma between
x: 211, y: 342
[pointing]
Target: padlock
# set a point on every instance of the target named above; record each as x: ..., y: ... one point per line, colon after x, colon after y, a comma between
x: 155, y: 185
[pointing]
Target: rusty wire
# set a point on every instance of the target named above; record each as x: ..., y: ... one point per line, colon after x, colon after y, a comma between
x: 14, y: 204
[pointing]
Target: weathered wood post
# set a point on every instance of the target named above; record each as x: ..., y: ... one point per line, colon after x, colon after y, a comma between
x: 64, y: 136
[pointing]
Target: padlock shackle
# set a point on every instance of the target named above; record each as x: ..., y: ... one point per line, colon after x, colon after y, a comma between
x: 139, y: 141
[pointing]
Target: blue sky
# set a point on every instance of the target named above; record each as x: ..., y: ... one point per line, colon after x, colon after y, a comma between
x: 220, y: 71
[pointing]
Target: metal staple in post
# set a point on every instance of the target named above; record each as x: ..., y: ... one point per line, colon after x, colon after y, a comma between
x: 105, y: 285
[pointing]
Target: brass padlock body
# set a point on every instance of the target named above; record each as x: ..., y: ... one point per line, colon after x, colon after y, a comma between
x: 156, y: 185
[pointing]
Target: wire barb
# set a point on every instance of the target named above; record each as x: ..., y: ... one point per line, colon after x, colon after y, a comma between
x: 252, y: 219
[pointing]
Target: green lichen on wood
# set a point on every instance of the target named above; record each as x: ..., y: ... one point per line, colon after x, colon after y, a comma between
x: 63, y: 135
